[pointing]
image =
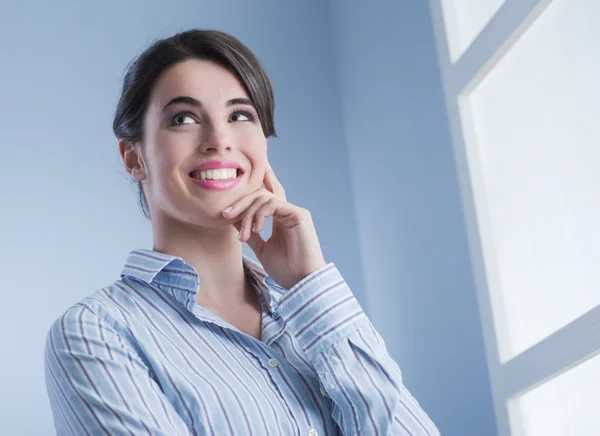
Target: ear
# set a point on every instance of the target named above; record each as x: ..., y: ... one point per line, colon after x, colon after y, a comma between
x: 132, y: 160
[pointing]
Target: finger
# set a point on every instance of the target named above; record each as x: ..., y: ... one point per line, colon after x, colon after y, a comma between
x: 272, y: 183
x: 256, y: 243
x: 266, y: 210
x: 248, y: 220
x: 243, y: 203
x: 284, y: 213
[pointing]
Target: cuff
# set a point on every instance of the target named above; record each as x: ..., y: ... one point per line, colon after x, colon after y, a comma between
x: 319, y: 310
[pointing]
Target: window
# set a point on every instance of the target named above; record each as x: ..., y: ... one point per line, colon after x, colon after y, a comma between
x: 522, y: 86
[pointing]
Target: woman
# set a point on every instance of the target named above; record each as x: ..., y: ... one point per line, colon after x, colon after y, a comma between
x: 195, y: 338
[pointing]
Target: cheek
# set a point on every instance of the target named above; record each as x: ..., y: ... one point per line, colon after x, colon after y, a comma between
x: 169, y: 153
x: 165, y: 174
x: 165, y: 167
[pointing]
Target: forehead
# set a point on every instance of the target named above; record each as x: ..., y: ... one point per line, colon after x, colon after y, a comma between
x: 201, y: 79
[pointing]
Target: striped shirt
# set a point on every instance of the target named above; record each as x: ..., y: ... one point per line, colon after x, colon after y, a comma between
x: 142, y: 357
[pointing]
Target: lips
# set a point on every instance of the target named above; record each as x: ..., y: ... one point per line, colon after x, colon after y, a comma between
x: 217, y: 184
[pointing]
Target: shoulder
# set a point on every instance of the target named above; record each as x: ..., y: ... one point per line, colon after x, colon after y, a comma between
x: 89, y: 317
x: 84, y: 338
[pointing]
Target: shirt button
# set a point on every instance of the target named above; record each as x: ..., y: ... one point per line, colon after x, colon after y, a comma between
x: 323, y: 392
x: 273, y: 363
x: 313, y: 432
x: 329, y: 380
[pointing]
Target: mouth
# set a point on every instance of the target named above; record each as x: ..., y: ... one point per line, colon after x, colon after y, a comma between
x: 217, y: 174
x: 221, y: 179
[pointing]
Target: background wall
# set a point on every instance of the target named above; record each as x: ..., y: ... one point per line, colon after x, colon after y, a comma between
x: 412, y: 234
x: 69, y: 215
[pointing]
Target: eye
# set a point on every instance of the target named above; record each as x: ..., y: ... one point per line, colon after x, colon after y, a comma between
x: 179, y: 118
x: 249, y: 116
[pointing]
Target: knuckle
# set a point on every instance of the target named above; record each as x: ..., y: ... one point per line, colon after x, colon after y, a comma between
x: 305, y: 212
x: 266, y: 205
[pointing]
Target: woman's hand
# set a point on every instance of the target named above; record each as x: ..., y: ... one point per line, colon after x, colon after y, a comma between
x: 293, y: 251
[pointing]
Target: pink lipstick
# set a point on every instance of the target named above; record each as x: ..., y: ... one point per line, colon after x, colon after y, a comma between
x: 217, y: 184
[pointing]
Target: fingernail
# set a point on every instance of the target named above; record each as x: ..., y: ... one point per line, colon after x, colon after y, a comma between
x: 254, y: 227
x: 240, y: 235
x: 228, y: 209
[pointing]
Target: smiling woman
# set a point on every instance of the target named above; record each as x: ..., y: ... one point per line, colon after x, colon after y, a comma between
x: 218, y: 48
x: 194, y: 337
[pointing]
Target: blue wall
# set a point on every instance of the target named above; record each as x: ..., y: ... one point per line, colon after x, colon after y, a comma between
x: 413, y: 243
x: 62, y: 184
x: 64, y: 192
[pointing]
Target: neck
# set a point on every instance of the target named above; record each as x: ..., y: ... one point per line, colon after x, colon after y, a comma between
x: 215, y: 253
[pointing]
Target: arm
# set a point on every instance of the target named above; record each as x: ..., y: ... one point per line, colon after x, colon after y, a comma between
x: 350, y: 358
x: 97, y: 385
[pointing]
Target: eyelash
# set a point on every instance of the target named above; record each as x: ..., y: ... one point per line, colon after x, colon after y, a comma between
x: 248, y: 114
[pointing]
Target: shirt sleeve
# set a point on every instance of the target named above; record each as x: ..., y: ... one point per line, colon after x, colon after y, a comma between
x: 350, y: 358
x: 98, y: 385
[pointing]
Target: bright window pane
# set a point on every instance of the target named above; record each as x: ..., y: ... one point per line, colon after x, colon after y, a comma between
x: 532, y: 131
x: 464, y: 20
x: 565, y: 405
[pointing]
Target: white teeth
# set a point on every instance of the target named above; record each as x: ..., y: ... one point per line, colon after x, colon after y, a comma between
x: 222, y: 174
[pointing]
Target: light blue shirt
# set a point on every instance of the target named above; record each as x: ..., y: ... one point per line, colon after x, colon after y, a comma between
x: 142, y: 357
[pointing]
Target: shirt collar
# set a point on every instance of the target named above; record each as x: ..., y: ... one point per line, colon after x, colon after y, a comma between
x: 179, y: 279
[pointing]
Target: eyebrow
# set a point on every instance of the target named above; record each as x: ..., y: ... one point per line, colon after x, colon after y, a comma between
x: 193, y: 102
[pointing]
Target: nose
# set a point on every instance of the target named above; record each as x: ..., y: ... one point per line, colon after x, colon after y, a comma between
x: 215, y: 138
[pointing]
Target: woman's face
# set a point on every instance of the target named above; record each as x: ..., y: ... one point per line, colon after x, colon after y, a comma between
x: 179, y: 137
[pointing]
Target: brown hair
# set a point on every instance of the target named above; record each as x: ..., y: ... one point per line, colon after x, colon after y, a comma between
x: 216, y: 46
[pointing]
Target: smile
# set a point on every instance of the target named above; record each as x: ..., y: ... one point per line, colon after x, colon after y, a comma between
x: 211, y: 182
x: 216, y: 174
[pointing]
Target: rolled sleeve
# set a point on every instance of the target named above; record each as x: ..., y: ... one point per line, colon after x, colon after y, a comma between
x: 320, y: 310
x: 350, y: 358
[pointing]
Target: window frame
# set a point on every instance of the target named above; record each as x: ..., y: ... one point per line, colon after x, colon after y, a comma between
x: 573, y: 343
